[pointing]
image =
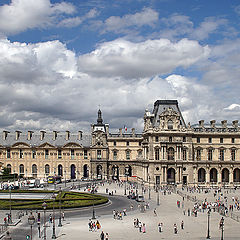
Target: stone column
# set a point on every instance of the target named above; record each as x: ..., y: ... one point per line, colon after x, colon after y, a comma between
x: 231, y: 176
x: 219, y: 176
x: 208, y: 176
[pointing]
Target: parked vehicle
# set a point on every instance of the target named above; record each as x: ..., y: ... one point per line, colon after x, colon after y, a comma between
x: 140, y: 198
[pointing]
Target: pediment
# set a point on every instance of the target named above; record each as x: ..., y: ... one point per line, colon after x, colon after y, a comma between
x: 46, y: 145
x: 169, y: 112
x: 72, y: 145
x: 20, y: 145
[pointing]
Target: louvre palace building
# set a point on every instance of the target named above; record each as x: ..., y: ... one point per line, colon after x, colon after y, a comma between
x: 168, y: 151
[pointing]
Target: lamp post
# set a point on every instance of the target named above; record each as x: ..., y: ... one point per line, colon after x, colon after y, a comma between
x: 65, y: 172
x: 44, y: 205
x: 10, y: 206
x: 78, y: 180
x: 208, y: 229
x: 54, y: 233
x: 93, y: 213
x: 60, y: 212
x: 142, y: 207
x: 158, y: 198
x: 31, y: 221
x: 149, y: 189
x: 222, y: 226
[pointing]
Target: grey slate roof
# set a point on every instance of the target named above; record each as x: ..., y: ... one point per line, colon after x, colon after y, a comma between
x: 162, y: 105
x: 48, y: 137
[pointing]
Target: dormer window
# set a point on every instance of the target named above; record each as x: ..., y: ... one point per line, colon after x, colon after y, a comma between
x: 170, y: 124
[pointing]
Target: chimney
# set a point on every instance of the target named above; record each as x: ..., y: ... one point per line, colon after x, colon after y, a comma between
x: 55, y: 135
x: 224, y: 123
x: 42, y: 134
x: 120, y: 131
x: 212, y: 122
x: 17, y: 135
x: 201, y: 123
x: 79, y: 135
x: 29, y: 137
x: 235, y: 123
x: 67, y: 135
x: 5, y: 133
x: 133, y: 132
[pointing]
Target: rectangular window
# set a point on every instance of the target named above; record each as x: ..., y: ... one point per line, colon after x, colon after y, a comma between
x: 46, y: 154
x: 210, y: 140
x: 20, y: 153
x: 33, y: 153
x: 114, y: 143
x: 221, y: 155
x: 157, y: 154
x: 99, y: 154
x: 127, y: 143
x: 210, y: 153
x: 59, y: 153
x: 198, y: 139
x: 184, y: 139
x: 233, y: 154
x: 156, y: 138
x: 8, y: 153
x: 139, y: 143
x: 233, y: 140
x: 128, y: 155
x: 184, y: 155
x: 198, y: 154
x: 72, y: 153
x: 114, y: 155
x: 140, y: 153
x: 85, y: 154
x: 221, y: 140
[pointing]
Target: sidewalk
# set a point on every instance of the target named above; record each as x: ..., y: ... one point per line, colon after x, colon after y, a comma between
x: 167, y: 213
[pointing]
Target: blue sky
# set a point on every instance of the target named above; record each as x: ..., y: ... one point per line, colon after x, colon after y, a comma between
x: 60, y: 60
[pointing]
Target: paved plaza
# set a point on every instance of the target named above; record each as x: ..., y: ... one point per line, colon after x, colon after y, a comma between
x: 167, y: 213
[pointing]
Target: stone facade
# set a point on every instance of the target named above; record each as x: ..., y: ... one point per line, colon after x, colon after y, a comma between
x: 167, y: 151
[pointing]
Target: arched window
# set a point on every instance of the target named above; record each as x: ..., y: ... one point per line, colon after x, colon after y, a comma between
x: 21, y: 169
x: 9, y: 167
x: 34, y: 170
x: 47, y: 169
x: 170, y: 124
x: 171, y: 153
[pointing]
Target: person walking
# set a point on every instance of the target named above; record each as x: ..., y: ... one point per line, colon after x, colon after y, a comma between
x: 160, y: 227
x: 106, y: 236
x: 175, y: 228
x: 144, y: 228
x: 182, y: 225
x: 102, y: 236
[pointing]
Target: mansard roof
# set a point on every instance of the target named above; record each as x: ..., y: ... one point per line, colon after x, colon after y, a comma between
x: 36, y: 141
x: 161, y: 106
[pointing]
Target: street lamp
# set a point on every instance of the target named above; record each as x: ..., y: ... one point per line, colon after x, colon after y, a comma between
x: 222, y: 226
x: 149, y: 189
x: 54, y: 233
x: 158, y: 199
x: 93, y: 213
x: 60, y: 212
x: 208, y: 230
x: 10, y: 206
x: 65, y: 177
x: 31, y: 221
x: 44, y: 205
x: 78, y: 180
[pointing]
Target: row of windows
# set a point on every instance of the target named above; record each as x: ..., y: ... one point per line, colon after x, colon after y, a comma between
x: 72, y: 153
x: 171, y: 154
x: 221, y: 154
x: 128, y: 155
x: 170, y: 139
x: 127, y: 143
x: 210, y: 140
